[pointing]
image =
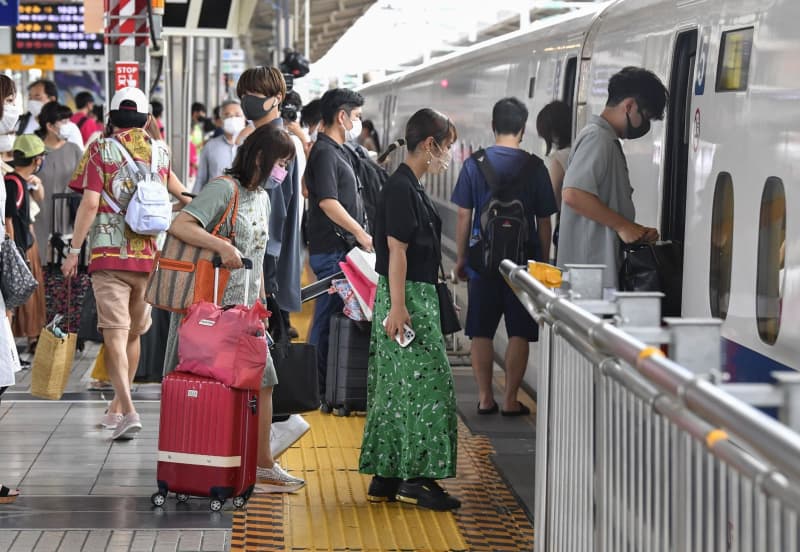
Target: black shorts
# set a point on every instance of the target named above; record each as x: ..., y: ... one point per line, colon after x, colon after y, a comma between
x: 490, y: 298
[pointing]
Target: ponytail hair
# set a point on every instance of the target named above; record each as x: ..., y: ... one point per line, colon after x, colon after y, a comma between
x: 399, y: 143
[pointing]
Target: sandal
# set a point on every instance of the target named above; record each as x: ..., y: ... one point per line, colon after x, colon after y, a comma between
x: 7, y: 496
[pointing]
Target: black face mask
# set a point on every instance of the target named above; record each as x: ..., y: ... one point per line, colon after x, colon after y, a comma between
x: 632, y: 132
x: 253, y: 107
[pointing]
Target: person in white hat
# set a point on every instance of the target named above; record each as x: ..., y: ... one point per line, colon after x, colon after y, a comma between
x: 120, y: 260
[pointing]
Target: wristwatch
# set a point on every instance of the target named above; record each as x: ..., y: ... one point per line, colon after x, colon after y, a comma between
x: 74, y: 250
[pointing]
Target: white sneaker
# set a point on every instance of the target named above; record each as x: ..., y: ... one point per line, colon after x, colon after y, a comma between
x: 276, y: 480
x: 128, y: 427
x: 284, y: 434
x: 111, y: 420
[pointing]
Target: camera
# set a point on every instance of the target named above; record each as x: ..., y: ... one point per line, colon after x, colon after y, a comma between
x: 289, y: 112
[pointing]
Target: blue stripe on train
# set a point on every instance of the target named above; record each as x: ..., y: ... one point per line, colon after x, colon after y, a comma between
x: 746, y: 365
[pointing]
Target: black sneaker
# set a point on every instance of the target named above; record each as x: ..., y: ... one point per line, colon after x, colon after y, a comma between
x: 426, y: 493
x: 383, y: 489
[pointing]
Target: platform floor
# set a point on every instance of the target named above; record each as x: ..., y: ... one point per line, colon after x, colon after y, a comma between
x: 83, y: 492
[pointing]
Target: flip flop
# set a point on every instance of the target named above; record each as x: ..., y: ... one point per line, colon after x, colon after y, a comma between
x: 491, y: 410
x: 7, y: 496
x: 523, y: 411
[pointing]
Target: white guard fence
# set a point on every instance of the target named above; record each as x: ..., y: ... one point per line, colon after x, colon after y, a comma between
x: 640, y: 452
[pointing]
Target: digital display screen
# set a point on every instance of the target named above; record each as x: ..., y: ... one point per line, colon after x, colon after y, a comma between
x: 734, y: 60
x: 53, y: 29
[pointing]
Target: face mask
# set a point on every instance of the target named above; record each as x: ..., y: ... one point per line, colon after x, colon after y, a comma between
x: 40, y: 167
x: 6, y: 142
x: 62, y: 132
x: 351, y: 134
x: 35, y: 107
x: 278, y: 174
x: 253, y: 107
x: 233, y: 125
x: 10, y: 118
x: 313, y: 136
x: 632, y: 132
x: 440, y: 164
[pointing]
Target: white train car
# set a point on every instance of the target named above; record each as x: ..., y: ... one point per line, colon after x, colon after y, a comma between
x: 717, y: 174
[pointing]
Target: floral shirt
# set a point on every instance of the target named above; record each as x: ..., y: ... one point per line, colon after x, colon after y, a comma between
x: 114, y: 245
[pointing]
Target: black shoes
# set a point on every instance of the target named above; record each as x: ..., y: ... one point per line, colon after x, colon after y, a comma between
x: 383, y: 489
x: 426, y: 493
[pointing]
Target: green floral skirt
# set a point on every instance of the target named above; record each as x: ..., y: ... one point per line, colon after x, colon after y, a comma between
x: 411, y: 428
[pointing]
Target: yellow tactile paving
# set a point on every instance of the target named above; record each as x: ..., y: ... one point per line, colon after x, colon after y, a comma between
x: 332, y: 513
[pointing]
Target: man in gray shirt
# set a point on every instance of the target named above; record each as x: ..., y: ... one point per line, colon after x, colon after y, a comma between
x: 597, y: 209
x: 219, y: 152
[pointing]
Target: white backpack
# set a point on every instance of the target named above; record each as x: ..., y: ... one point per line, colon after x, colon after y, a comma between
x: 149, y: 211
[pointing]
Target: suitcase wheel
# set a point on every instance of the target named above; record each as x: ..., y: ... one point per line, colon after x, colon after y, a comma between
x: 239, y: 502
x: 158, y: 499
x: 325, y: 407
x: 182, y: 497
x: 342, y: 411
x: 216, y: 504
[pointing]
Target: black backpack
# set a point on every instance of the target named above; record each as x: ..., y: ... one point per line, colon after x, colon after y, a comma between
x: 371, y: 178
x: 504, y: 220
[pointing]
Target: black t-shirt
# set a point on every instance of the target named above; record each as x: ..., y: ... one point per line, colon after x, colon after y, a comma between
x: 18, y: 210
x: 407, y: 214
x: 329, y: 175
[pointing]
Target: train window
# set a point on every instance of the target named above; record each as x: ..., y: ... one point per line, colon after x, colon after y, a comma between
x: 531, y: 87
x: 719, y: 281
x: 569, y: 81
x: 733, y: 69
x: 771, y: 244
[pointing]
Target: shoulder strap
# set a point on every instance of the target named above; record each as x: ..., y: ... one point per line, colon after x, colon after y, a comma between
x: 489, y: 175
x: 82, y: 121
x: 20, y: 189
x: 127, y: 156
x: 232, y: 207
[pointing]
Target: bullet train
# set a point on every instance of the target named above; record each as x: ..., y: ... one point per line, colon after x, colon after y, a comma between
x: 717, y: 174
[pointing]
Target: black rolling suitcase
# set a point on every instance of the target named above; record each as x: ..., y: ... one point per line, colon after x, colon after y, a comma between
x: 348, y: 356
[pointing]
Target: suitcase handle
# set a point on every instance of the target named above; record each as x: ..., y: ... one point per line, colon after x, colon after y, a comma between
x: 216, y: 262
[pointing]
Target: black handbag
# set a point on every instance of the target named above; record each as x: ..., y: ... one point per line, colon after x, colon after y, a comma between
x: 448, y: 316
x: 298, y: 381
x: 655, y: 267
x: 447, y: 309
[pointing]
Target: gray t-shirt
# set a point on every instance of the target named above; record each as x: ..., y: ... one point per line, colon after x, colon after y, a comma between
x: 597, y: 166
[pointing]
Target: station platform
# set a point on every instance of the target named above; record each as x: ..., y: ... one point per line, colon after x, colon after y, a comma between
x: 82, y: 491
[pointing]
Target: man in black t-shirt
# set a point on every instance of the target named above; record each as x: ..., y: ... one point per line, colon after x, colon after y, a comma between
x: 336, y: 215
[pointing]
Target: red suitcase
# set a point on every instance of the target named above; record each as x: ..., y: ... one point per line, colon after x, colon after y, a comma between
x: 207, y: 442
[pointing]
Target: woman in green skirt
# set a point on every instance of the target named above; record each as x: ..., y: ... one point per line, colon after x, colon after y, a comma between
x: 410, y: 439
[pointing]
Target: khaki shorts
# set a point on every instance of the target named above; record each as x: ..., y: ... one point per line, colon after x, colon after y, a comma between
x: 120, y: 301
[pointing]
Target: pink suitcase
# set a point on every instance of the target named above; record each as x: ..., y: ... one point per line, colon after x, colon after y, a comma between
x: 207, y: 442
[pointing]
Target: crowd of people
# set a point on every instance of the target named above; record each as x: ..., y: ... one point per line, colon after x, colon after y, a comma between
x: 281, y: 158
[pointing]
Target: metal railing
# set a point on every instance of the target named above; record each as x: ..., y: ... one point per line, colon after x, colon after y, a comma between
x: 636, y: 452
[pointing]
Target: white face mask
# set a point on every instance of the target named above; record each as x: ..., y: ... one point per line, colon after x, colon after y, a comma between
x: 10, y: 118
x: 351, y: 134
x: 35, y: 107
x: 6, y: 142
x: 63, y: 132
x: 70, y: 132
x: 233, y: 125
x: 313, y: 136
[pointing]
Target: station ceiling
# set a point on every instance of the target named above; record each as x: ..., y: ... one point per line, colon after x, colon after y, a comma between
x: 329, y: 20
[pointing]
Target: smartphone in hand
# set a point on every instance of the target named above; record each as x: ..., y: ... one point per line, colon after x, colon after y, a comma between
x: 405, y: 337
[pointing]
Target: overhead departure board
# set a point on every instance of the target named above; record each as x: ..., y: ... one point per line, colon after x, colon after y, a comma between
x: 53, y: 29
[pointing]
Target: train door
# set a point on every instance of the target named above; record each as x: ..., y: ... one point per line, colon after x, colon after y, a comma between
x: 679, y: 117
